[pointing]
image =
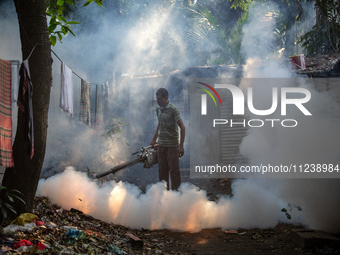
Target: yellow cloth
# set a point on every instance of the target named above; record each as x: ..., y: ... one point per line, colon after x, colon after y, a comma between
x: 24, y: 218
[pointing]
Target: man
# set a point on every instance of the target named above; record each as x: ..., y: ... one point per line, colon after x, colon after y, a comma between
x: 168, y: 150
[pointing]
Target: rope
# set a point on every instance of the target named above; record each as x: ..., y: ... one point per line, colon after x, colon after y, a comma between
x: 55, y: 54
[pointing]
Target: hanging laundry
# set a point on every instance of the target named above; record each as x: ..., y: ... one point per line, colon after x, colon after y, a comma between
x: 111, y: 86
x: 25, y: 105
x: 6, y: 158
x: 99, y: 124
x: 15, y: 80
x: 86, y: 104
x: 105, y: 103
x: 66, y: 91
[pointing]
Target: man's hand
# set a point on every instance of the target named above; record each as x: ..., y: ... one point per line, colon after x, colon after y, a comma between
x: 180, y: 151
x: 154, y: 139
x: 153, y: 143
x: 180, y: 148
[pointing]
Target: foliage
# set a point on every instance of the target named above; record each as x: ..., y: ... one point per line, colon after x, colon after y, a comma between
x: 226, y: 40
x: 6, y: 207
x: 207, y: 32
x: 243, y: 4
x: 290, y: 206
x: 235, y: 39
x: 325, y: 35
x: 291, y: 11
x: 55, y: 9
x: 115, y: 128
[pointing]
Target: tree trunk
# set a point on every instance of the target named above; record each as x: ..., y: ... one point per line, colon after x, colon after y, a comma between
x: 25, y: 174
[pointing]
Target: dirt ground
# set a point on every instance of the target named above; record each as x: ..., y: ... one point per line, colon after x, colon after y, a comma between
x: 215, y: 241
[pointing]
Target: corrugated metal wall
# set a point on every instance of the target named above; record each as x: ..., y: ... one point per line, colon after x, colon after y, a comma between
x: 231, y: 137
x: 333, y: 86
x: 205, y: 140
x: 221, y: 142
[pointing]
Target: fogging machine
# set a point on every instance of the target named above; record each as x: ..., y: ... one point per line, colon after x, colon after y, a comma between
x: 146, y: 155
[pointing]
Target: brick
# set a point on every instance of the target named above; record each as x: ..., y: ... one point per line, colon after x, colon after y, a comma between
x: 306, y: 238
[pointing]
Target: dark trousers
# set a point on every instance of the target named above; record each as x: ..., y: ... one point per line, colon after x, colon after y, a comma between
x: 168, y: 162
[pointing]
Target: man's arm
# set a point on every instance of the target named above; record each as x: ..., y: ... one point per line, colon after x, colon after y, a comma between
x: 154, y: 139
x: 181, y: 141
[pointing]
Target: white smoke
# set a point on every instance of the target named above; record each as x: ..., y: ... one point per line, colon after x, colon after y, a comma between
x: 187, y: 210
x: 314, y: 140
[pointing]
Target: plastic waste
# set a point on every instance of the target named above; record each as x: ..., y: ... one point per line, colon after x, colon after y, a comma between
x: 39, y: 223
x: 115, y: 249
x: 7, y: 242
x: 50, y: 224
x: 70, y: 227
x: 4, y: 249
x: 24, y: 249
x: 10, y: 229
x: 23, y: 242
x: 74, y: 235
x: 41, y: 246
x: 38, y: 247
x: 24, y: 218
x: 60, y: 210
x: 231, y: 231
x: 242, y: 233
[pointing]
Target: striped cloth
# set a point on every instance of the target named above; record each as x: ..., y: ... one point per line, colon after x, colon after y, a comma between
x: 6, y: 157
x: 99, y: 121
x: 168, y: 128
x: 86, y: 104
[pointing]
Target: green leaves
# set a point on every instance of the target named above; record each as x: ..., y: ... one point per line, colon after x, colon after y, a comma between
x: 243, y: 4
x: 59, y: 26
x: 115, y: 128
x: 53, y: 39
x: 12, y: 195
x: 64, y: 25
x: 61, y: 18
x: 88, y: 2
x: 5, y: 207
x: 99, y: 2
x: 3, y: 210
x: 290, y: 206
x: 60, y: 2
x: 324, y: 36
x: 72, y: 22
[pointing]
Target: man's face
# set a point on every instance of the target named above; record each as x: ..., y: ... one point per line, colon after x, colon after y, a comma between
x: 162, y: 101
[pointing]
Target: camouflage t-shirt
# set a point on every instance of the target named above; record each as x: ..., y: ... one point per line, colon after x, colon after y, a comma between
x: 168, y: 128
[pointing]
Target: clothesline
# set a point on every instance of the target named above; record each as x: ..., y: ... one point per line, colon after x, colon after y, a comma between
x: 24, y: 102
x: 66, y: 96
x: 85, y: 115
x: 55, y: 54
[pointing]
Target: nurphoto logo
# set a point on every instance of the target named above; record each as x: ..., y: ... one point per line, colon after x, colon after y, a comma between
x: 239, y: 104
